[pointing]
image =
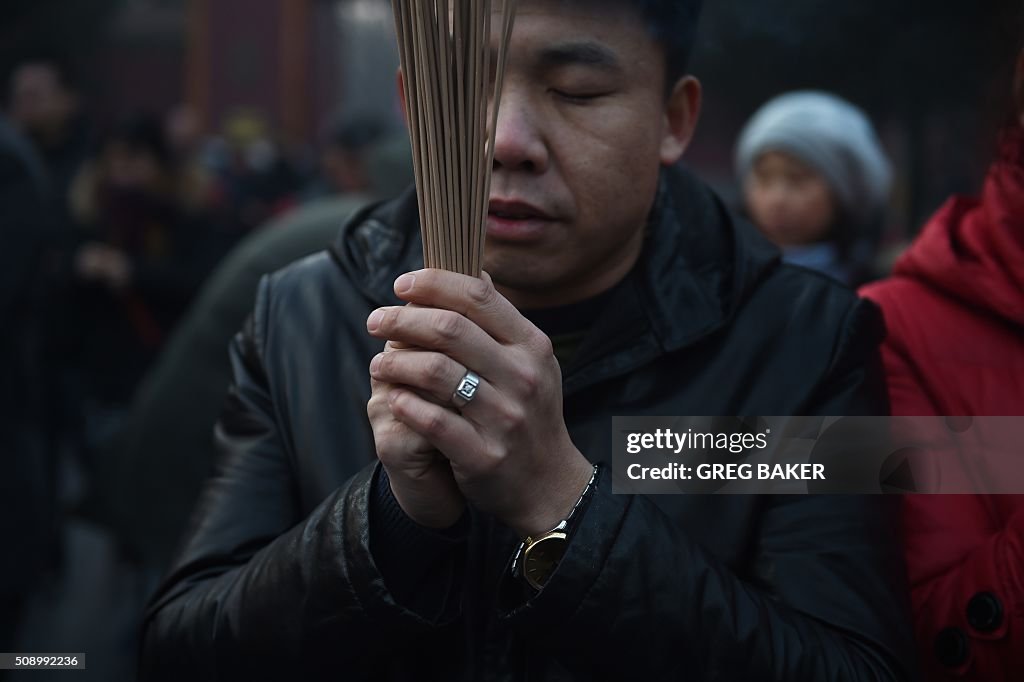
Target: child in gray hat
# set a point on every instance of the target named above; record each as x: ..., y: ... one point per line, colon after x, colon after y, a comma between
x: 815, y: 181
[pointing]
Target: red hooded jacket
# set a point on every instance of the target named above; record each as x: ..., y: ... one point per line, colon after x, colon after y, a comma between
x: 955, y: 312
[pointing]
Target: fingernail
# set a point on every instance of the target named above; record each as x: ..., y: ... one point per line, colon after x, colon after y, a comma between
x: 375, y: 363
x: 373, y: 322
x: 404, y: 283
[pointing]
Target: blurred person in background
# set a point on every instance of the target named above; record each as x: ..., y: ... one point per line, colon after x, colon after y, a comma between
x: 344, y: 163
x: 26, y: 470
x: 44, y: 103
x: 144, y: 251
x: 954, y: 308
x: 816, y: 181
x: 256, y: 180
x: 149, y: 477
x: 184, y: 134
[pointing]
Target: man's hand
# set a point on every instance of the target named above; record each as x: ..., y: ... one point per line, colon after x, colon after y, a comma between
x: 421, y: 478
x: 509, y: 448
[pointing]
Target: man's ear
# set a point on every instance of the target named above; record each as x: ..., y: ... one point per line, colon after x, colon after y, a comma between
x: 400, y: 84
x: 681, y: 114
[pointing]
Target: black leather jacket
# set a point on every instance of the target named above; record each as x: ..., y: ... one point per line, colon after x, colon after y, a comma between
x: 276, y: 579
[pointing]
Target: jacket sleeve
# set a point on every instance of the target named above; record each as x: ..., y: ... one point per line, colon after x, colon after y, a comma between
x: 822, y: 597
x: 259, y: 591
x: 959, y: 561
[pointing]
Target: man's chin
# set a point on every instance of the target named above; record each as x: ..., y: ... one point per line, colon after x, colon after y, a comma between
x: 512, y: 274
x: 517, y: 276
x: 522, y: 232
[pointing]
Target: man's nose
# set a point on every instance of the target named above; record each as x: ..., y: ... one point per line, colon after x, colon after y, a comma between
x: 519, y: 142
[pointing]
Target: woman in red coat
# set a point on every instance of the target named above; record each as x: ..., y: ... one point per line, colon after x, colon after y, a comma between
x: 955, y: 312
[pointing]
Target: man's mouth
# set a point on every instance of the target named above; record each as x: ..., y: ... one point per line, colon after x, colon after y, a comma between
x: 515, y: 210
x: 507, y: 215
x: 516, y: 221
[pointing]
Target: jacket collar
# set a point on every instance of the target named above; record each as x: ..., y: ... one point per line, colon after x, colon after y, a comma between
x: 698, y: 266
x: 379, y: 243
x: 699, y: 262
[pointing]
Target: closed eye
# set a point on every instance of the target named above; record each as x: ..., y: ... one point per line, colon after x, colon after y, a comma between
x: 578, y: 97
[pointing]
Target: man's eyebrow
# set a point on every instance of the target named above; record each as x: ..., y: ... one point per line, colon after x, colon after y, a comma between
x: 579, y: 54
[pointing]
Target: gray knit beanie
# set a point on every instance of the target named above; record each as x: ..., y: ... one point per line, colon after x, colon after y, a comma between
x: 830, y: 135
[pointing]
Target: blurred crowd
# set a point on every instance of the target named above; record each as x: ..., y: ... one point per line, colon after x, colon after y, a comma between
x: 110, y: 231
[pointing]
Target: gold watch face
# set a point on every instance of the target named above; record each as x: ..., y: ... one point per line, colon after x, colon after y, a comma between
x: 541, y: 558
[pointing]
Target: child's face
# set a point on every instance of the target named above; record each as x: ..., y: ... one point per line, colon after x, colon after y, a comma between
x: 789, y: 201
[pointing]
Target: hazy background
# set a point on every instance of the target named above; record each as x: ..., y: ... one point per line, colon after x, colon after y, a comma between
x: 926, y: 71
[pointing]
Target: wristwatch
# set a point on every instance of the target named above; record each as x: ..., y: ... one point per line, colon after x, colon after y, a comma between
x: 537, y: 557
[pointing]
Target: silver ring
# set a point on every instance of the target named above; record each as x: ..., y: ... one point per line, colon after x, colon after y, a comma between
x: 466, y: 390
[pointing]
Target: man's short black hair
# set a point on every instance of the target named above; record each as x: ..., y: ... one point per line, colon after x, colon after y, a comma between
x: 672, y: 24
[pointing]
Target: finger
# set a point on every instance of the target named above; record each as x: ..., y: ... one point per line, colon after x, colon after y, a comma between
x: 475, y: 298
x: 432, y: 375
x: 377, y: 405
x: 379, y: 389
x: 393, y: 439
x: 395, y: 443
x: 446, y: 430
x: 397, y: 345
x: 445, y: 332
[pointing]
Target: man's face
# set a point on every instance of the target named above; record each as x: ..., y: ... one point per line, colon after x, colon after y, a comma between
x: 39, y: 103
x: 582, y: 132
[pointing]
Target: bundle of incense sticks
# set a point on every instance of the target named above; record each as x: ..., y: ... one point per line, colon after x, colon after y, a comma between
x: 450, y: 83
